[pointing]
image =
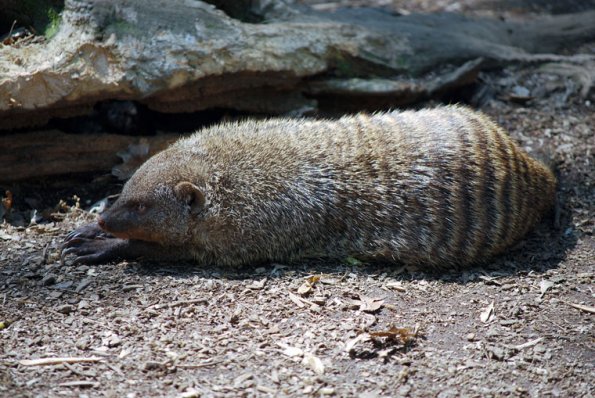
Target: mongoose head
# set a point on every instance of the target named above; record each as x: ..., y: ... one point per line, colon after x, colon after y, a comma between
x: 159, y: 203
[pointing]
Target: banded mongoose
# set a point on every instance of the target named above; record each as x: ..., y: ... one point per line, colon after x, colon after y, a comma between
x: 440, y: 187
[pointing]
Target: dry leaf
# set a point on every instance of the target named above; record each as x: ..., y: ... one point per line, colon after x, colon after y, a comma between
x: 369, y: 304
x: 305, y: 288
x: 350, y: 345
x: 403, y: 334
x: 313, y: 363
x: 487, y: 313
x: 544, y: 286
x: 7, y: 201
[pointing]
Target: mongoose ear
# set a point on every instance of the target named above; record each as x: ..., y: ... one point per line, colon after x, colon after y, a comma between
x: 191, y: 195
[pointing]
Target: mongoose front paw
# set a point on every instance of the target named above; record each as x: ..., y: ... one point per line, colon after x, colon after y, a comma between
x: 91, y: 245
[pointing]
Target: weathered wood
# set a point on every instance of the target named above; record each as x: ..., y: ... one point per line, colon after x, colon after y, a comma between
x: 47, y: 153
x: 186, y: 56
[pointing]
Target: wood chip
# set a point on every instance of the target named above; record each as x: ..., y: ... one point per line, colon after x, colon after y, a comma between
x: 293, y: 351
x: 258, y: 285
x: 190, y: 394
x: 80, y: 384
x: 296, y: 300
x: 179, y: 303
x: 487, y: 314
x: 544, y: 286
x: 198, y: 365
x: 489, y: 280
x: 398, y: 286
x: 350, y: 345
x: 82, y: 285
x: 57, y: 361
x: 313, y: 363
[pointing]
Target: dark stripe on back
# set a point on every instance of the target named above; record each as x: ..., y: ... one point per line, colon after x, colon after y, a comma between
x: 525, y: 192
x: 444, y: 191
x: 492, y: 184
x: 395, y: 194
x: 505, y: 194
x: 484, y: 201
x: 514, y: 193
x: 417, y: 206
x: 365, y: 126
x: 464, y: 195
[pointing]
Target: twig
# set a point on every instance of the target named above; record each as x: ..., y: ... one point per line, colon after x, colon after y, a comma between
x: 179, y: 303
x: 586, y: 308
x: 12, y: 28
x: 79, y: 383
x: 77, y: 372
x: 57, y: 361
x: 528, y: 344
x: 198, y: 365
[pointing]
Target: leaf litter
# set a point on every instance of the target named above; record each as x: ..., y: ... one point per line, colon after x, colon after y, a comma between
x: 345, y: 333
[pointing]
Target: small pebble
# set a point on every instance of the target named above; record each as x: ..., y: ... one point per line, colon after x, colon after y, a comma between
x: 48, y: 279
x: 65, y: 309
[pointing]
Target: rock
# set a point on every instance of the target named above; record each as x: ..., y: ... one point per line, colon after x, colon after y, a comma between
x: 65, y: 309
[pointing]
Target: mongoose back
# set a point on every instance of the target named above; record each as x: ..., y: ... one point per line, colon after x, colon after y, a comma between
x: 442, y: 187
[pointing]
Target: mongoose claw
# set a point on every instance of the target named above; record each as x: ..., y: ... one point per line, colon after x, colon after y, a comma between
x: 92, y: 251
x: 89, y: 231
x: 90, y: 245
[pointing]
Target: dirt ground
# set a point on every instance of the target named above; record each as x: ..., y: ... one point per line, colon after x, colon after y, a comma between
x: 520, y: 326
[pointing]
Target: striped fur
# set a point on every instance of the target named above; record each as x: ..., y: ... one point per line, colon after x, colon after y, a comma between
x: 441, y: 187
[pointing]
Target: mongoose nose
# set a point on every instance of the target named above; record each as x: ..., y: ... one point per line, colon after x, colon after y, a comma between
x: 101, y: 222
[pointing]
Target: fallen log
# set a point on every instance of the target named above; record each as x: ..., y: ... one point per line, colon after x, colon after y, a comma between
x: 46, y: 153
x: 266, y: 57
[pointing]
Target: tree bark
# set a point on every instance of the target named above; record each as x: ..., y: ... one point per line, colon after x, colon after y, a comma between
x: 47, y: 153
x: 183, y: 56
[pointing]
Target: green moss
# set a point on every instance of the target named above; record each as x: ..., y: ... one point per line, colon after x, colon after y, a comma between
x: 41, y: 15
x: 54, y: 23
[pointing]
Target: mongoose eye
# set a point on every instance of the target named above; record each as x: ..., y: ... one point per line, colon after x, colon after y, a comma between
x: 141, y: 208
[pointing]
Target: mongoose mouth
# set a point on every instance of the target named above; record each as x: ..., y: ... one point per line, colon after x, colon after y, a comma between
x: 130, y: 233
x: 136, y: 234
